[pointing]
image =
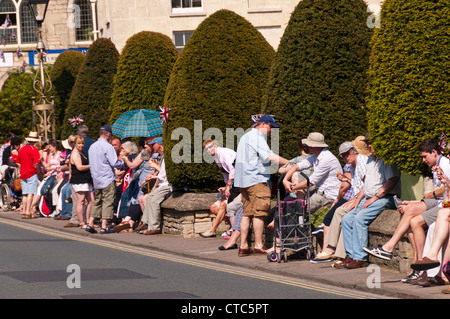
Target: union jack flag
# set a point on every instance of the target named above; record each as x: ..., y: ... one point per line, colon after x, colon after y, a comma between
x: 76, y: 120
x: 443, y: 142
x: 164, y: 114
x: 19, y: 52
x: 2, y: 55
x: 256, y: 117
x: 7, y: 22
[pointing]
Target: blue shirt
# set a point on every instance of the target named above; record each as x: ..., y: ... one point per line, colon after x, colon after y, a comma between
x: 102, y: 161
x: 252, y: 163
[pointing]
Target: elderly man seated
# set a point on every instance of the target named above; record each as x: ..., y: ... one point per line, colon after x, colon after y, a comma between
x: 324, y: 178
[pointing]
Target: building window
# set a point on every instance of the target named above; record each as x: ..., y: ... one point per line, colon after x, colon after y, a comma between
x: 186, y: 4
x: 28, y: 24
x: 8, y: 21
x: 83, y: 20
x: 180, y: 38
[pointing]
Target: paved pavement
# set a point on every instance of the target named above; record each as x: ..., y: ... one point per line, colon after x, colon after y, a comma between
x: 206, y: 249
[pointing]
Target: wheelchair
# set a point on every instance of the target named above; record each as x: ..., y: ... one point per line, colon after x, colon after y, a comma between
x: 10, y: 196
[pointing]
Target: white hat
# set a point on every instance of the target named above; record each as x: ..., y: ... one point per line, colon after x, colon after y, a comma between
x: 66, y: 144
x: 33, y: 137
x: 345, y: 147
x: 315, y: 140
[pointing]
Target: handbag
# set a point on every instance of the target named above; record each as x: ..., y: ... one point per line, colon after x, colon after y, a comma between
x: 148, y: 185
x: 17, y: 185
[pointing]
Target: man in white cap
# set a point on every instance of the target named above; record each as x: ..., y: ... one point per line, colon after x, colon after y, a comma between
x: 324, y: 178
x: 252, y: 172
x: 355, y: 154
x: 29, y: 162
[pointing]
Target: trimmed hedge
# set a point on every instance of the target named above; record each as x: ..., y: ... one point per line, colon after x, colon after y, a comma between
x: 409, y: 96
x: 91, y: 94
x: 16, y: 104
x: 142, y: 74
x: 219, y: 78
x: 63, y: 74
x: 319, y: 76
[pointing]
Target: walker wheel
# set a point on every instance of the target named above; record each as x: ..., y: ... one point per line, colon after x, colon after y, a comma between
x: 273, y: 256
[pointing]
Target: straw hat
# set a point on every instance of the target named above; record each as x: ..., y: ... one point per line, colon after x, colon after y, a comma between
x: 315, y: 140
x: 33, y: 137
x: 361, y: 146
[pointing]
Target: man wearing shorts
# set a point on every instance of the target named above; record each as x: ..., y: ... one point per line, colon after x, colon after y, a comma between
x: 29, y: 162
x: 253, y: 158
x: 417, y: 213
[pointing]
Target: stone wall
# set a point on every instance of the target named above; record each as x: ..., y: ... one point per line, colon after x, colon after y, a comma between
x: 187, y: 215
x: 380, y: 231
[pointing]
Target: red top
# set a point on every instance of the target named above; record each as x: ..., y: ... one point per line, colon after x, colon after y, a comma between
x: 27, y: 158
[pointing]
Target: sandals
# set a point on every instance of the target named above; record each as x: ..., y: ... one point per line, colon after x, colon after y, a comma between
x: 121, y: 226
x: 26, y: 216
x: 106, y: 231
x: 128, y: 230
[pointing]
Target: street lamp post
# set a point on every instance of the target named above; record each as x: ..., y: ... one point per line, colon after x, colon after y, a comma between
x: 43, y: 109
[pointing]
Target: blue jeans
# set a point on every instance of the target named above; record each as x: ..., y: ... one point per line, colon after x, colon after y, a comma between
x: 66, y: 192
x: 355, y: 226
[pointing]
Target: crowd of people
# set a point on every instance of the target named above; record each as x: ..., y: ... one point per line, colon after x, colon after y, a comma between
x: 110, y: 186
x: 357, y: 194
x: 103, y: 186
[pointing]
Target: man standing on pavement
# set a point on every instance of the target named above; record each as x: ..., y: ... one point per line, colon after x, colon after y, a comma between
x: 29, y: 162
x: 102, y: 161
x: 381, y: 184
x: 252, y: 172
x: 152, y: 212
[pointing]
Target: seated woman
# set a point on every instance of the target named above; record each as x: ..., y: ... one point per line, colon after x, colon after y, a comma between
x: 224, y: 158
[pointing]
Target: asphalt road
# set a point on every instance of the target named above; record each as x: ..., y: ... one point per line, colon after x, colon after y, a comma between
x: 37, y: 263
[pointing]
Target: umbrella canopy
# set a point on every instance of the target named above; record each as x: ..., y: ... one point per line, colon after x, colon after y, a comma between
x: 138, y: 123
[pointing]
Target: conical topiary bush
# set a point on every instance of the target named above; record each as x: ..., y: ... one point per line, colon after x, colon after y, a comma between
x: 217, y: 82
x: 142, y: 74
x: 63, y: 74
x: 409, y: 80
x: 319, y: 76
x: 91, y: 94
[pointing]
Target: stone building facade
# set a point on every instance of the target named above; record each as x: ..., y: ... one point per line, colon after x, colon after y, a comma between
x: 74, y: 24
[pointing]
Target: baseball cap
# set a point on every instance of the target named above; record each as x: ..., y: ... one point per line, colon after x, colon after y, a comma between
x: 158, y: 140
x: 106, y: 128
x: 268, y: 120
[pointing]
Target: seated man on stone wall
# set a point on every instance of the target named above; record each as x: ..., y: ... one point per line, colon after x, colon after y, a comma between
x: 428, y: 207
x: 382, y: 182
x: 324, y: 178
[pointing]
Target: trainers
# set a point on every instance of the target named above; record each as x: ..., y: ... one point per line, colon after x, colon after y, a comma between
x: 379, y: 252
x: 322, y: 257
x: 321, y: 260
x: 317, y: 231
x: 208, y: 234
x: 412, y: 276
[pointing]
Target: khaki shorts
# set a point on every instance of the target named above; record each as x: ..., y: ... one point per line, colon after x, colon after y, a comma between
x: 256, y: 200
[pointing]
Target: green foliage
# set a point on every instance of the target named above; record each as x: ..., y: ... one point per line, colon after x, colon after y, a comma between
x: 409, y: 79
x: 219, y: 78
x: 318, y: 80
x: 63, y: 74
x: 16, y: 104
x: 142, y: 74
x: 91, y: 94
